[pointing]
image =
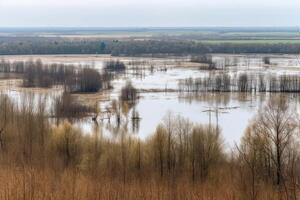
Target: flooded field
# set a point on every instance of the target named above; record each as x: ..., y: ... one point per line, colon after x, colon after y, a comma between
x: 156, y: 79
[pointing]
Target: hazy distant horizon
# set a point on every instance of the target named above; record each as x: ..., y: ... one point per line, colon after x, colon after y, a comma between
x: 155, y: 13
x: 148, y: 27
x: 120, y: 28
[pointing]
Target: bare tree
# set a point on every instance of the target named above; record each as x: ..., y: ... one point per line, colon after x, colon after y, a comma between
x: 276, y: 122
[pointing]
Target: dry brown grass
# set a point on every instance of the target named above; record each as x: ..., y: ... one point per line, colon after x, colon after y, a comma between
x: 44, y: 184
x: 29, y: 183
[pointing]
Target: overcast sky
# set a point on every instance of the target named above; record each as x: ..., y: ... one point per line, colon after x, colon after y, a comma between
x: 141, y: 13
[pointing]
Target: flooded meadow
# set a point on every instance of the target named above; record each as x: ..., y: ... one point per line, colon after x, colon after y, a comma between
x: 157, y: 82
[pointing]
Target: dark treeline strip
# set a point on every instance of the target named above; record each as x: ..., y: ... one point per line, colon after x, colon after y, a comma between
x: 242, y: 82
x: 43, y: 45
x: 189, y: 47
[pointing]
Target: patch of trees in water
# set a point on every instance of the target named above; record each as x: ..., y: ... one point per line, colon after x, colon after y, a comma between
x: 129, y: 93
x: 73, y: 78
x: 66, y: 107
x: 204, y: 59
x: 114, y: 66
x: 116, y: 114
x: 241, y: 82
x: 120, y: 109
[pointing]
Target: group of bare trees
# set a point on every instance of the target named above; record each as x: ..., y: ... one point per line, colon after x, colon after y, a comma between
x: 266, y: 60
x: 181, y: 148
x: 37, y: 74
x: 67, y: 107
x: 269, y: 151
x: 72, y: 78
x: 241, y: 82
x: 114, y: 66
x: 264, y: 165
x: 14, y: 67
x: 205, y: 59
x: 129, y: 93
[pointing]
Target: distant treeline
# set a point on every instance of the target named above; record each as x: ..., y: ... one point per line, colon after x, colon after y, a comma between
x: 242, y: 82
x: 43, y: 45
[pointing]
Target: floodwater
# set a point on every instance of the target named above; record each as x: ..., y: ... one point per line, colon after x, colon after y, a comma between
x: 231, y: 112
x: 232, y: 117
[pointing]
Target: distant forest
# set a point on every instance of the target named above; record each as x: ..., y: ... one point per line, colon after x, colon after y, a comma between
x: 131, y: 47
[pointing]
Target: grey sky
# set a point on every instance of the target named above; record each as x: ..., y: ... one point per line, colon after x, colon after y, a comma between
x: 122, y: 13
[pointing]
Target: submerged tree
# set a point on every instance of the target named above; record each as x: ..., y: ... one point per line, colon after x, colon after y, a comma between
x: 90, y: 80
x: 266, y: 60
x: 129, y: 93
